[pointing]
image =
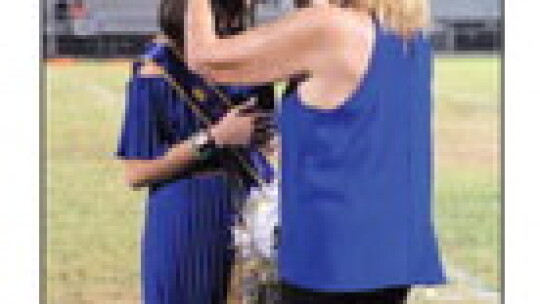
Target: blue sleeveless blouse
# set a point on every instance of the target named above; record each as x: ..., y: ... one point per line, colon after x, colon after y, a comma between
x: 356, y: 180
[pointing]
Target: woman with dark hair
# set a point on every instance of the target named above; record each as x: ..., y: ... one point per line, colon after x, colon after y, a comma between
x: 182, y: 142
x: 356, y: 147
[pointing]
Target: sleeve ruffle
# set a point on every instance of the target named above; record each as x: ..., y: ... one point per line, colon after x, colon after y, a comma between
x: 139, y: 136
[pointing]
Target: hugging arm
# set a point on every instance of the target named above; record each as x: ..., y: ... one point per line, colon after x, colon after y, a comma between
x: 263, y: 54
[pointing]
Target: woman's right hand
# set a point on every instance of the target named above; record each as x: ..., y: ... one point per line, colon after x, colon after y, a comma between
x: 237, y: 127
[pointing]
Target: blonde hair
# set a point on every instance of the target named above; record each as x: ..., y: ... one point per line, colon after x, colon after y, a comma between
x: 403, y: 16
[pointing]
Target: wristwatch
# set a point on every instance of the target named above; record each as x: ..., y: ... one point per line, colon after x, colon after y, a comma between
x: 202, y: 144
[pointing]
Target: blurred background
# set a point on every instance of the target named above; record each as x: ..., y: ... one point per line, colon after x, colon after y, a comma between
x: 93, y: 220
x: 118, y: 28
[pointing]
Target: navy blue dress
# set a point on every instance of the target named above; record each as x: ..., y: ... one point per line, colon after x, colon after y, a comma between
x: 186, y: 249
x: 356, y: 180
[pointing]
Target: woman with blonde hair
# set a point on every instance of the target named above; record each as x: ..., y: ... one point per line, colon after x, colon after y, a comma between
x: 356, y: 142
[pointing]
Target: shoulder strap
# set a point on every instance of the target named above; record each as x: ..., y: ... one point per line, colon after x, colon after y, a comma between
x: 206, y: 120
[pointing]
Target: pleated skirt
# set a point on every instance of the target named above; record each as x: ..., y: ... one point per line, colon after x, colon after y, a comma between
x: 187, y: 251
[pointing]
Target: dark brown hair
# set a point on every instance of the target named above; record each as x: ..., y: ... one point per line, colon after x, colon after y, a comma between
x: 230, y: 16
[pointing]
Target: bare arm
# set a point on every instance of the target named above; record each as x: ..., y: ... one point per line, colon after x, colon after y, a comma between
x: 291, y: 45
x: 235, y: 128
x: 140, y: 173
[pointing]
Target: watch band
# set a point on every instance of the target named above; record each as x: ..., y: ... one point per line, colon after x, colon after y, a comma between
x: 203, y: 144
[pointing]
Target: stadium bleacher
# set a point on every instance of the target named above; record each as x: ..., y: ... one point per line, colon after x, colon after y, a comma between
x: 119, y: 28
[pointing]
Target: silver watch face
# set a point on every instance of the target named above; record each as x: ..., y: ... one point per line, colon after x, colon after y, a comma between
x: 200, y: 139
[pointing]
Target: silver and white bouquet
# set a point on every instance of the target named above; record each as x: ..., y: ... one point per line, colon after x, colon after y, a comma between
x: 255, y: 237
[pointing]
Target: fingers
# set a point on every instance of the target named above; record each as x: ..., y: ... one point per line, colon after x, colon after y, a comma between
x: 247, y: 125
x: 262, y: 138
x: 262, y: 116
x: 246, y: 107
x: 271, y: 146
x: 265, y: 122
x: 260, y: 120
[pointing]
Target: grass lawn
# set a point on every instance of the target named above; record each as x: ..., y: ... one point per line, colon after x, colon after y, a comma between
x: 467, y: 181
x: 93, y: 220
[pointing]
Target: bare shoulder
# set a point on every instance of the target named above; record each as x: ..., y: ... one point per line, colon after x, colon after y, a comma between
x: 150, y: 69
x: 353, y: 23
x: 339, y: 25
x: 315, y: 19
x: 353, y: 40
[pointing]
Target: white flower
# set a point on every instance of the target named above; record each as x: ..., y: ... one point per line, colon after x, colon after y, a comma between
x: 261, y: 218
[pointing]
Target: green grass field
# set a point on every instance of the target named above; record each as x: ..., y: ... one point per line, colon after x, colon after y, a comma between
x: 93, y: 220
x: 468, y: 207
